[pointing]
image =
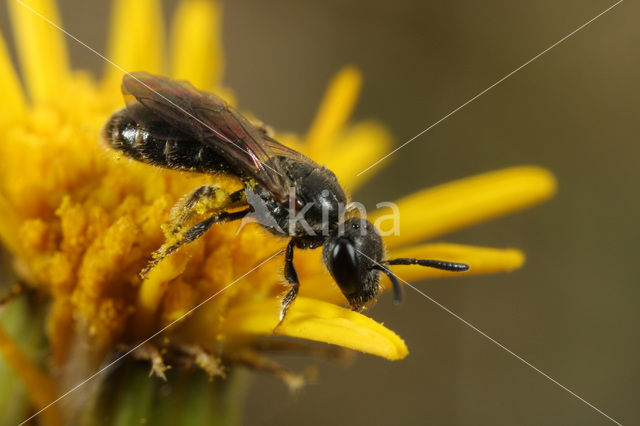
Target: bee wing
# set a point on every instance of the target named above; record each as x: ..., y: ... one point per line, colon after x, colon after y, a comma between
x: 210, y: 120
x: 279, y: 150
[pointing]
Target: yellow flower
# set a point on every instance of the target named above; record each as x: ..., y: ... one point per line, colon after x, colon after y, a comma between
x: 81, y: 223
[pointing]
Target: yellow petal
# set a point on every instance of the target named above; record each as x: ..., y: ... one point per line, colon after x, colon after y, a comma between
x: 481, y: 260
x: 10, y: 87
x: 41, y: 46
x: 448, y: 207
x: 196, y: 45
x: 361, y: 145
x: 320, y: 321
x: 136, y: 36
x: 335, y: 109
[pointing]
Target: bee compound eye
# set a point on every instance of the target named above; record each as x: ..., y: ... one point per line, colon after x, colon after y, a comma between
x: 344, y: 266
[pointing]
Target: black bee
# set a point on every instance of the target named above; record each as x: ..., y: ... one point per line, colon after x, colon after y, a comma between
x: 171, y: 124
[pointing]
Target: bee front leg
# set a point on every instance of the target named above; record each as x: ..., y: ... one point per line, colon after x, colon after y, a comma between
x: 192, y: 234
x: 292, y: 279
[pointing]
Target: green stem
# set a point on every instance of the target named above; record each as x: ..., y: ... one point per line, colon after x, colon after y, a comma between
x: 25, y: 326
x: 188, y: 398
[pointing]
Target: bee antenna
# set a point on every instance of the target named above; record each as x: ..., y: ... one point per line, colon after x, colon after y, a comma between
x: 397, y: 288
x: 438, y: 264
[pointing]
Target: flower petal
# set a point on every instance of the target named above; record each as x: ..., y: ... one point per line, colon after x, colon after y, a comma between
x: 10, y: 87
x: 41, y: 47
x: 336, y: 107
x: 358, y: 147
x: 320, y: 321
x: 481, y: 260
x: 136, y: 37
x: 196, y: 47
x: 451, y: 206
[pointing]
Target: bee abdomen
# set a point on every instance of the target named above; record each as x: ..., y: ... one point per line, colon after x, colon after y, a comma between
x: 122, y: 134
x: 173, y: 150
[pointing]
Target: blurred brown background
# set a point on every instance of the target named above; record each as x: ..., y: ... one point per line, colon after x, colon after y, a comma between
x: 572, y: 311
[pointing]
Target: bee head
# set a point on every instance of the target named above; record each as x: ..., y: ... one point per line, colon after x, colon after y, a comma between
x: 354, y: 255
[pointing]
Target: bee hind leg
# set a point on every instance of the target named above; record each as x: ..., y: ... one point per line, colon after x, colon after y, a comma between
x: 190, y: 235
x: 204, y: 199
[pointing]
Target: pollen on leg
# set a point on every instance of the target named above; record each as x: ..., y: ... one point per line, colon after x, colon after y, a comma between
x: 205, y: 199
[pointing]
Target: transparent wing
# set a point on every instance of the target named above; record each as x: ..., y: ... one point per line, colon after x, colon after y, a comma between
x: 210, y: 120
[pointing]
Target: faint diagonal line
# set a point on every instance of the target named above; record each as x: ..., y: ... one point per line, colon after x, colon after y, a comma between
x: 509, y: 351
x: 500, y: 345
x: 59, y: 28
x: 492, y: 86
x: 154, y: 335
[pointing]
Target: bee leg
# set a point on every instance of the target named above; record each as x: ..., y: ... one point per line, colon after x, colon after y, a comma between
x: 192, y: 234
x: 292, y: 279
x: 205, y: 198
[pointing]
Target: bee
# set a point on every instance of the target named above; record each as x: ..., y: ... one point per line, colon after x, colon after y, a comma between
x: 171, y: 124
